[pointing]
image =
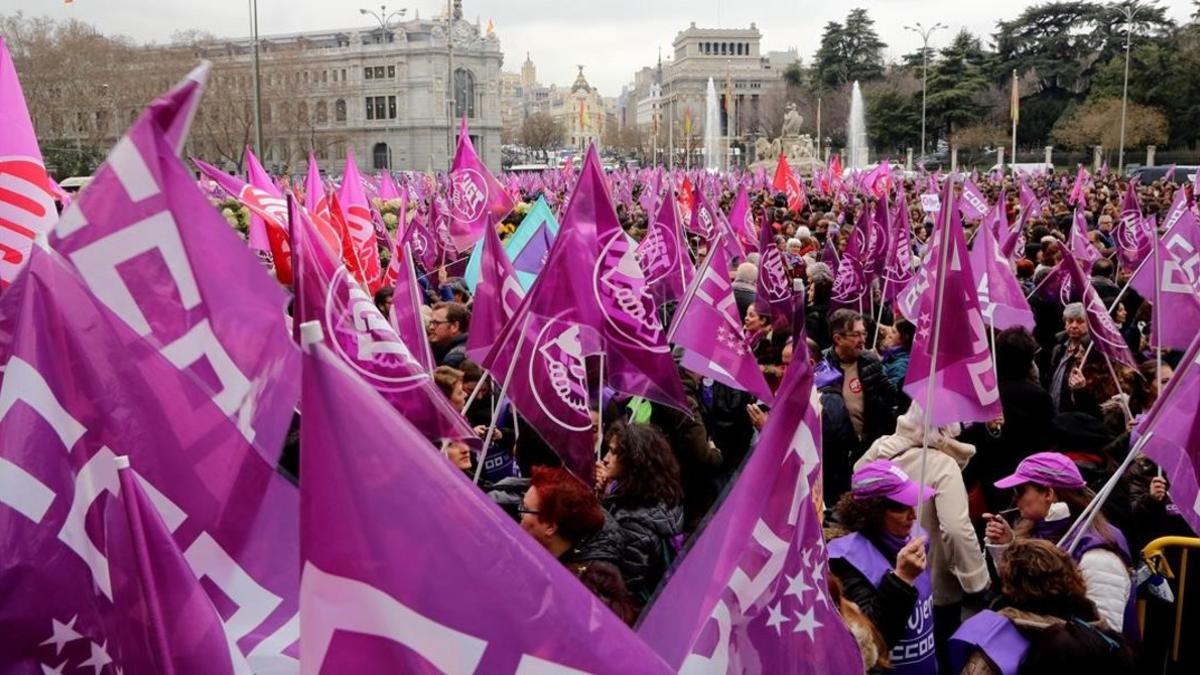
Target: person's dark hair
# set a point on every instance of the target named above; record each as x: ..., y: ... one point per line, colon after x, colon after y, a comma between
x: 605, y: 582
x: 533, y: 452
x: 471, y: 372
x: 860, y: 515
x: 456, y: 312
x: 1037, y: 576
x: 907, y: 332
x: 843, y: 320
x: 1103, y: 268
x: 649, y: 471
x: 382, y: 295
x: 822, y: 289
x: 1015, y: 352
x: 568, y: 503
x: 1078, y: 647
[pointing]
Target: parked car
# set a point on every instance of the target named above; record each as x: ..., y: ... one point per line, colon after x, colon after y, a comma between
x: 1149, y: 174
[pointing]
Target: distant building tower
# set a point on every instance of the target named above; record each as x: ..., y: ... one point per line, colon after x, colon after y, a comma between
x: 528, y: 74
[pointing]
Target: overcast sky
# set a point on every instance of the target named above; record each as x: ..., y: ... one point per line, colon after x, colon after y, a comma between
x: 610, y: 38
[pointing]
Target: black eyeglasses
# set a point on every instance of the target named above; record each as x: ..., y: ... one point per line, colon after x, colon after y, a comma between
x: 437, y: 322
x: 522, y: 510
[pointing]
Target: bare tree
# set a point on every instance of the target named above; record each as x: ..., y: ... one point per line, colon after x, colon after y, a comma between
x: 1098, y: 122
x: 541, y: 132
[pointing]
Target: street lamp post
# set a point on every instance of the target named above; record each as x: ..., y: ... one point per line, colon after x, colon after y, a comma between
x: 257, y: 77
x: 924, y: 33
x: 385, y: 33
x: 1128, y: 12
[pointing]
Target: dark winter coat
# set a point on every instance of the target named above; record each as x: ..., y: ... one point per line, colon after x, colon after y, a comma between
x: 453, y: 353
x: 647, y: 543
x: 888, y: 606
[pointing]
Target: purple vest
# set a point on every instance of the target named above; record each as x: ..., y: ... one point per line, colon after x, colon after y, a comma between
x: 995, y: 636
x: 913, y: 653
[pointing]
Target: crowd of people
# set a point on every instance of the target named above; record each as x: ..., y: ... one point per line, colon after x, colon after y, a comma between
x: 985, y: 582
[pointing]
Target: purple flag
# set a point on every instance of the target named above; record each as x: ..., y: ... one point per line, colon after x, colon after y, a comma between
x: 741, y: 219
x: 497, y: 297
x: 165, y: 621
x: 150, y: 246
x: 850, y: 284
x: 879, y: 227
x: 1030, y: 206
x: 1081, y: 248
x: 80, y: 386
x: 709, y: 329
x: 897, y: 269
x: 385, y: 521
x: 476, y: 200
x: 1170, y: 435
x: 405, y: 314
x: 974, y: 205
x: 750, y: 595
x: 774, y: 293
x: 1175, y: 266
x: 357, y: 332
x: 1134, y: 241
x: 662, y: 255
x: 638, y: 358
x: 1001, y: 298
x: 1104, y: 333
x: 950, y: 351
x: 704, y: 218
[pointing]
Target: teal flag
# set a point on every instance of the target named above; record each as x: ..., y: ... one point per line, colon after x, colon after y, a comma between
x: 526, y: 248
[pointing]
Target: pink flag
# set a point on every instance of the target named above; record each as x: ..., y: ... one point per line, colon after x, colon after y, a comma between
x: 405, y: 314
x: 80, y: 386
x: 1170, y: 435
x: 974, y: 204
x: 774, y: 296
x: 663, y: 257
x: 1001, y: 298
x: 1176, y: 267
x: 751, y: 594
x: 358, y: 334
x: 1030, y: 206
x: 950, y: 350
x: 387, y: 187
x: 1079, y: 188
x: 1134, y: 241
x: 709, y: 329
x: 257, y: 176
x: 704, y: 218
x: 1081, y: 248
x: 897, y: 269
x: 497, y: 297
x: 26, y: 197
x: 357, y: 212
x: 850, y: 284
x: 638, y: 358
x: 152, y: 249
x: 741, y: 220
x: 271, y: 225
x: 1104, y: 333
x: 476, y: 199
x: 393, y: 538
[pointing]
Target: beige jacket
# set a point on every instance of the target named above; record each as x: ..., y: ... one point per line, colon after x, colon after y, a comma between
x: 956, y: 562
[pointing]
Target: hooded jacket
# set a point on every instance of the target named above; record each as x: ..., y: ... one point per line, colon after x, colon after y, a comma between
x: 647, y: 546
x: 956, y: 562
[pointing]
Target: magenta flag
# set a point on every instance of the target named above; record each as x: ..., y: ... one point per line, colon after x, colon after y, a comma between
x: 165, y: 622
x: 974, y: 204
x: 710, y: 331
x: 80, y: 386
x: 385, y: 522
x: 774, y: 296
x: 358, y: 333
x: 704, y: 218
x: 1079, y: 187
x: 267, y: 223
x: 1001, y: 298
x: 879, y: 227
x: 27, y: 209
x: 1031, y: 207
x: 151, y: 247
x: 498, y: 295
x: 357, y: 212
x: 1134, y: 240
x: 751, y: 594
x: 663, y: 257
x: 637, y: 357
x: 315, y: 199
x: 388, y: 190
x: 950, y: 351
x: 897, y: 269
x: 476, y: 200
x: 741, y: 220
x: 1174, y: 267
x: 276, y: 206
x: 405, y: 314
x: 850, y: 283
x: 1170, y: 435
x: 1081, y: 248
x: 1104, y: 333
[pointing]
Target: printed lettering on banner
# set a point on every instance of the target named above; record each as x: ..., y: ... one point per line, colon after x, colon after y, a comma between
x: 364, y: 338
x: 621, y: 291
x: 468, y: 194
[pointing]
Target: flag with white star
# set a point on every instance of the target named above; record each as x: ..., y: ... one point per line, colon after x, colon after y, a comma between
x: 750, y: 595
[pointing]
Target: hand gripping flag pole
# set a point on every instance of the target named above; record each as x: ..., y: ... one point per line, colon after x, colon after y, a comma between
x: 512, y: 366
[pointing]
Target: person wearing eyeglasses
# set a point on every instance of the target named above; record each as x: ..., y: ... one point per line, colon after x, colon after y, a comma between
x: 447, y: 331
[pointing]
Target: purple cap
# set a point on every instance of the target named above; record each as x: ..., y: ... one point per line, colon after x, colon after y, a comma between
x: 882, y: 478
x: 1048, y: 469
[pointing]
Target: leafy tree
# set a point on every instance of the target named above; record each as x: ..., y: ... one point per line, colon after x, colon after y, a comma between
x: 849, y: 51
x: 1161, y: 75
x: 955, y: 84
x: 1098, y: 122
x: 893, y: 121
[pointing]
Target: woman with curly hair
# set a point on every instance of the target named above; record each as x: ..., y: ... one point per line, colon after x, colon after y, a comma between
x: 881, y: 563
x: 1047, y: 624
x: 639, y: 483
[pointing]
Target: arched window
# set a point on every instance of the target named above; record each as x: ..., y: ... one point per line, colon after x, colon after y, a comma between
x: 339, y: 110
x: 380, y: 156
x: 322, y: 112
x: 464, y: 93
x: 302, y: 112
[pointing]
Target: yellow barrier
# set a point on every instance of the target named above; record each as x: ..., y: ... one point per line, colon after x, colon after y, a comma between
x: 1154, y: 554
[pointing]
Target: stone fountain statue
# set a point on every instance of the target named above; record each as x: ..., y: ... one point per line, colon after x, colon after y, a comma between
x: 795, y: 146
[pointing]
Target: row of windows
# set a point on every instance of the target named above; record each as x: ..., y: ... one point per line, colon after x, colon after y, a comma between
x: 377, y: 72
x: 381, y: 107
x: 725, y: 48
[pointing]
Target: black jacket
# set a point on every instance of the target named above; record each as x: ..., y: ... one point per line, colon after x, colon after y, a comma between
x: 647, y: 546
x: 453, y: 353
x: 888, y: 606
x: 605, y: 545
